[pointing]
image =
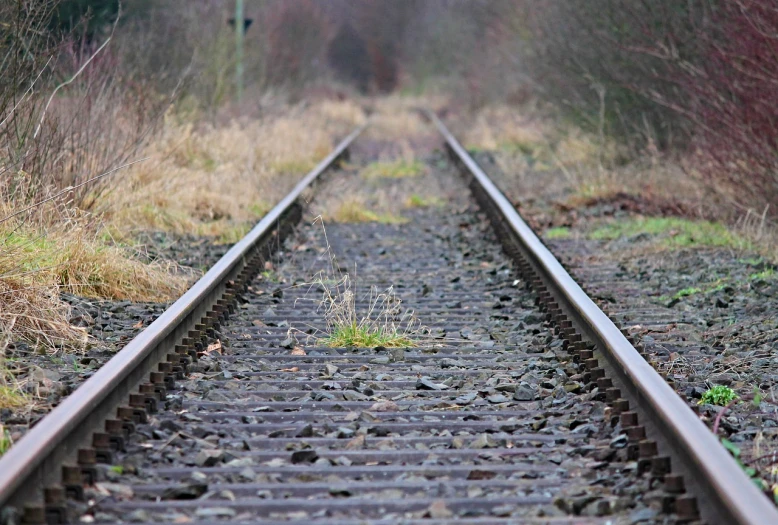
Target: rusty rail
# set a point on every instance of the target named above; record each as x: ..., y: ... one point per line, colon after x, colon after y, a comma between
x: 725, y: 494
x: 34, y: 461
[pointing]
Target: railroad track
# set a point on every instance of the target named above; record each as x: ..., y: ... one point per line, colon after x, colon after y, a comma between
x: 523, y: 402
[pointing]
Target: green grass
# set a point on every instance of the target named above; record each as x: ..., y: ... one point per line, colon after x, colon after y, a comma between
x: 686, y: 292
x: 293, y: 166
x: 717, y: 285
x: 752, y: 261
x: 763, y: 275
x: 354, y: 210
x: 560, y: 232
x: 233, y: 233
x: 672, y: 232
x: 417, y: 201
x: 5, y: 440
x: 719, y: 395
x: 365, y: 337
x: 259, y: 209
x: 11, y: 397
x: 525, y: 148
x: 398, y: 169
x: 270, y: 276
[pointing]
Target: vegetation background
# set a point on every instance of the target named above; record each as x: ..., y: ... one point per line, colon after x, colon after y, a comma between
x: 90, y: 86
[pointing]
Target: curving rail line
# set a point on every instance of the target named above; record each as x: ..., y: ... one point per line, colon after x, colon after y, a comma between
x: 58, y: 456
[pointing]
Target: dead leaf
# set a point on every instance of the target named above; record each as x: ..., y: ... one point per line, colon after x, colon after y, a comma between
x: 298, y: 351
x: 384, y: 406
x: 268, y: 265
x: 139, y: 324
x: 257, y: 322
x: 356, y: 443
x: 293, y: 369
x: 214, y: 347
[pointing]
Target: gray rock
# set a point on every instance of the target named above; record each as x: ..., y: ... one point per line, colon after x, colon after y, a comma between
x: 642, y: 515
x: 209, y: 458
x: 188, y: 491
x: 304, y: 456
x: 425, y: 383
x: 345, y: 433
x: 138, y: 516
x: 484, y: 441
x: 524, y: 392
x: 498, y: 398
x: 353, y: 395
x: 240, y: 462
x: 466, y: 399
x: 619, y: 441
x: 247, y: 474
x: 304, y: 431
x: 215, y: 512
x: 397, y: 354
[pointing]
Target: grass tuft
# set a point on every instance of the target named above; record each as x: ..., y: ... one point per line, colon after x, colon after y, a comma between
x: 354, y: 210
x: 78, y: 261
x: 366, y: 337
x: 382, y: 323
x: 12, y: 397
x: 398, y: 169
x: 418, y: 201
x: 5, y: 440
x: 719, y: 395
x: 559, y: 232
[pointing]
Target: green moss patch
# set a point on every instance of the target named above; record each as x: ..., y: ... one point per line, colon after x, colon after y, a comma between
x: 672, y: 232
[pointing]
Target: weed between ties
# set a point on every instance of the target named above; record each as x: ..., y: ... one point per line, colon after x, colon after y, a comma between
x: 383, y: 322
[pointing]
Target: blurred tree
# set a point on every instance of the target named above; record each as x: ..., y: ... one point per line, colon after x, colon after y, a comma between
x: 90, y: 16
x: 348, y: 57
x: 297, y: 30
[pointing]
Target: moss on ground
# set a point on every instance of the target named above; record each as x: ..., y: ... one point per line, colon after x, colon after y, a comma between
x: 559, y: 232
x: 398, y: 169
x: 355, y: 210
x: 672, y: 232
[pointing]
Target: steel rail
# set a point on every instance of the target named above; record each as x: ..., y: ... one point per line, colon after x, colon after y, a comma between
x: 34, y: 461
x: 725, y: 493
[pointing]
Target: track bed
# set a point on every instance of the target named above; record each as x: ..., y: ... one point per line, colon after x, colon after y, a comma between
x: 487, y: 420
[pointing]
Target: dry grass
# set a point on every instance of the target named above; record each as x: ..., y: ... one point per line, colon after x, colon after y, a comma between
x: 212, y: 178
x: 397, y: 169
x: 355, y: 209
x: 36, y: 265
x: 396, y: 118
x: 540, y: 157
x: 383, y: 323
